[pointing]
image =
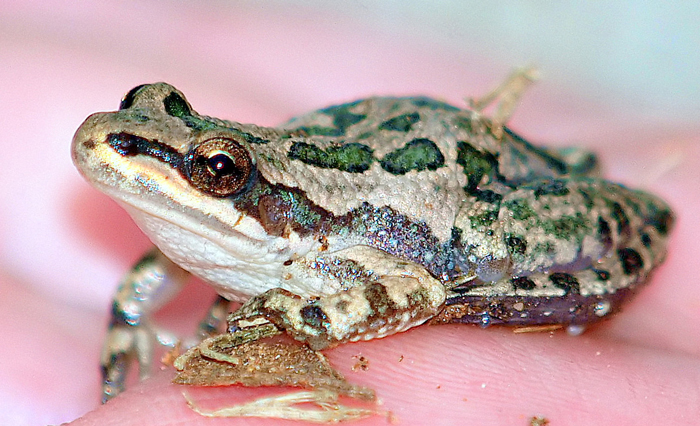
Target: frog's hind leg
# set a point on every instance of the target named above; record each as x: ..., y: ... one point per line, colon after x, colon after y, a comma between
x: 395, y: 296
x: 569, y: 224
x: 542, y: 298
x: 574, y: 250
x: 505, y: 96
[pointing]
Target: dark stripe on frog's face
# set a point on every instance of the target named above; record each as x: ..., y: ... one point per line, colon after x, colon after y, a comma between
x: 129, y: 145
x: 227, y: 172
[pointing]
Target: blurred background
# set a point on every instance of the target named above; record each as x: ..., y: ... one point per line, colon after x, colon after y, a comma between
x: 612, y: 74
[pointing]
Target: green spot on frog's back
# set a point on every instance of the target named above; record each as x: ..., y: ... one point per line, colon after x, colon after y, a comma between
x: 320, y: 131
x: 418, y: 154
x: 476, y: 164
x: 631, y: 260
x: 352, y: 157
x: 433, y: 104
x: 484, y: 220
x: 345, y: 119
x: 568, y: 227
x: 176, y: 106
x: 521, y: 209
x: 401, y: 123
x: 555, y: 187
x: 566, y: 282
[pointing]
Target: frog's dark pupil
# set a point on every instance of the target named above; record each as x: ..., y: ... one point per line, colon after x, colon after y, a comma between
x: 221, y: 164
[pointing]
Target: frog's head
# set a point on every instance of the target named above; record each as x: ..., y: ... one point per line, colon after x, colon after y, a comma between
x: 156, y: 136
x: 175, y: 171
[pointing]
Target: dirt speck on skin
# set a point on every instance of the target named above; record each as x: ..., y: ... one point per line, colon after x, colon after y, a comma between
x: 538, y: 421
x: 361, y: 363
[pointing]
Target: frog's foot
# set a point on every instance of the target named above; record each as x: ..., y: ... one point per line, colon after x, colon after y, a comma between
x: 397, y: 295
x: 229, y: 359
x: 505, y: 97
x: 325, y: 408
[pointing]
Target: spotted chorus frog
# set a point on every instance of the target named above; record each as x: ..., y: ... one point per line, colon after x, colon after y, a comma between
x: 361, y: 220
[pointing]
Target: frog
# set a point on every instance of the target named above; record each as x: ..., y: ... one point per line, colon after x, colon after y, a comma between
x: 360, y: 220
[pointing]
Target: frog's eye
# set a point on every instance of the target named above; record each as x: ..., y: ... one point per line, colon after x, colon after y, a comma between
x: 219, y: 167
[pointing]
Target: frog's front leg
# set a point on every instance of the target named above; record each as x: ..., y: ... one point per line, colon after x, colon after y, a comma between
x: 386, y: 295
x: 152, y: 282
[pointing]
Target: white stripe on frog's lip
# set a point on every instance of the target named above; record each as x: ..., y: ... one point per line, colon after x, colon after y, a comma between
x: 152, y: 188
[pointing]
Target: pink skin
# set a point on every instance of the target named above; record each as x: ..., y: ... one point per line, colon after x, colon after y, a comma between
x: 640, y: 368
x: 64, y: 244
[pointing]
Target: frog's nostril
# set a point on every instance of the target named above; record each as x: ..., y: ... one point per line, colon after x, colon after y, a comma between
x: 89, y: 144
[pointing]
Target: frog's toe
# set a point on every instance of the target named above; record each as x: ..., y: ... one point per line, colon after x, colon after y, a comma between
x: 124, y: 344
x: 113, y: 376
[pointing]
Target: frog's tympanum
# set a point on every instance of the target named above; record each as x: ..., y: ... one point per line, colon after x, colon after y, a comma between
x: 361, y: 220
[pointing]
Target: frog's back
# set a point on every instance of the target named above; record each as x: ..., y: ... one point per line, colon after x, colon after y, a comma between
x: 386, y: 152
x: 384, y: 124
